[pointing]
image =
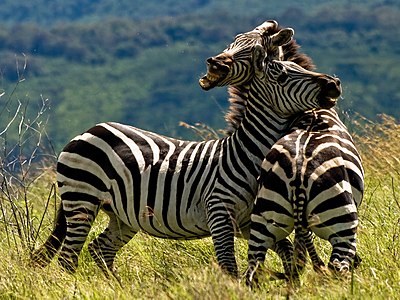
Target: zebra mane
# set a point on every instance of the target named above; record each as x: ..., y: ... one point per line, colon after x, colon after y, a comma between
x: 238, y: 95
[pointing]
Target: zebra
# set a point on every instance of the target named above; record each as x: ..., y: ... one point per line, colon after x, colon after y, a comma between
x: 290, y: 52
x: 179, y: 189
x: 311, y: 180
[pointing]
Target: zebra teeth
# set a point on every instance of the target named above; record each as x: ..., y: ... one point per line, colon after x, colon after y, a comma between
x: 212, y: 77
x: 209, y: 81
x: 327, y: 102
x: 332, y: 100
x: 205, y: 84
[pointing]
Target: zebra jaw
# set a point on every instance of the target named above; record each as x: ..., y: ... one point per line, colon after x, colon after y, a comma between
x: 218, y: 69
x: 209, y: 81
x: 327, y: 102
x: 328, y: 99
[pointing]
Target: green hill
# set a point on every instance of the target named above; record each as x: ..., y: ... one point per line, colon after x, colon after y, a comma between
x: 139, y: 63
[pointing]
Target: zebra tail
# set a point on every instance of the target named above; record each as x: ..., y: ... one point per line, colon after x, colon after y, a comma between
x: 300, y: 252
x: 49, y: 249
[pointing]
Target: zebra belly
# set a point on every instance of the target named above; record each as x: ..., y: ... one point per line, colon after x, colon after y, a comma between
x: 167, y: 220
x: 161, y: 210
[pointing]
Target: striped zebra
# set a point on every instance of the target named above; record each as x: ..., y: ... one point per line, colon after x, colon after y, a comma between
x: 178, y: 189
x: 311, y: 180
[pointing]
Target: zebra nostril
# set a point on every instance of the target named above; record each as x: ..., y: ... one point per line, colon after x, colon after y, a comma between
x: 210, y: 60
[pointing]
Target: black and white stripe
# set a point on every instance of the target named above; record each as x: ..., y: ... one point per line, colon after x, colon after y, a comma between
x: 311, y: 180
x: 172, y: 188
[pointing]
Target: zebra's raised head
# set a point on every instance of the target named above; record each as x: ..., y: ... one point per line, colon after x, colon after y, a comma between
x: 237, y: 64
x: 290, y: 89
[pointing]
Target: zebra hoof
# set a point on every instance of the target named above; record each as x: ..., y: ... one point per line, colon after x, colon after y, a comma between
x: 340, y: 269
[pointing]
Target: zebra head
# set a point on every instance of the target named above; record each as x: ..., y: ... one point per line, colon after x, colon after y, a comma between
x: 235, y: 65
x: 291, y: 89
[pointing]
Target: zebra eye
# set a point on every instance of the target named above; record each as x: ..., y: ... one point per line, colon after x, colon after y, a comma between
x: 282, y: 77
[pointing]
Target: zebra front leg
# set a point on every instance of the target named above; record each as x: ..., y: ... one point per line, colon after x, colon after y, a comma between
x: 104, y: 247
x: 257, y: 251
x: 221, y: 225
x: 79, y: 216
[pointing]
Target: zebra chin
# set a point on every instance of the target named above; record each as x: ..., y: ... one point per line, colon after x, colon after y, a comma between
x: 331, y: 90
x: 207, y: 84
x: 326, y: 102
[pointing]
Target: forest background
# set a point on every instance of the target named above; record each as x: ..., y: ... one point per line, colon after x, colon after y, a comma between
x: 138, y: 62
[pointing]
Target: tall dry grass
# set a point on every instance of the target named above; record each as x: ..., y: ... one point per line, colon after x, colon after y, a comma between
x: 164, y: 269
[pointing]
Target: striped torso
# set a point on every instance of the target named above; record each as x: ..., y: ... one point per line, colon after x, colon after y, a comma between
x: 155, y: 183
x: 319, y: 151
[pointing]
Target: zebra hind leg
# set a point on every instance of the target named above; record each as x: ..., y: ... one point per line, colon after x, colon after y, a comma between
x: 284, y: 248
x: 48, y: 250
x: 79, y: 217
x: 104, y: 248
x: 307, y: 239
x: 261, y: 239
x: 343, y: 257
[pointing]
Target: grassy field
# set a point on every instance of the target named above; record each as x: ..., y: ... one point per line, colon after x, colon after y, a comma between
x: 165, y: 269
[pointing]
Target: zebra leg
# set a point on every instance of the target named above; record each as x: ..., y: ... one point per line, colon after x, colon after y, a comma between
x: 48, y: 250
x: 104, y: 247
x: 263, y: 236
x: 343, y: 254
x: 284, y: 248
x: 257, y: 251
x: 340, y: 230
x: 306, y: 243
x: 79, y: 216
x: 220, y: 223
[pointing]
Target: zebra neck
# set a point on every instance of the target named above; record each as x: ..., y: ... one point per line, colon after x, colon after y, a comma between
x: 255, y: 137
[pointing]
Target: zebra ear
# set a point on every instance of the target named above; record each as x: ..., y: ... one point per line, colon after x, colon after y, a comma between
x: 264, y: 27
x: 282, y: 37
x: 259, y: 57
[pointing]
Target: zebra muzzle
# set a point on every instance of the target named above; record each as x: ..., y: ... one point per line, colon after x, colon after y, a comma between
x: 217, y: 70
x: 208, y: 81
x: 331, y: 90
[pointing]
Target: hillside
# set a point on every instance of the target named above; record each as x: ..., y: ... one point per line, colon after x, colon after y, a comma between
x: 51, y: 12
x: 139, y: 64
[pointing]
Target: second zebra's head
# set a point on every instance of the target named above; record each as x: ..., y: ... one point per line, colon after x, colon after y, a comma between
x: 290, y: 89
x: 237, y: 64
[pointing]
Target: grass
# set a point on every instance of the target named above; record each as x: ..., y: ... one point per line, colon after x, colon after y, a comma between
x: 165, y: 269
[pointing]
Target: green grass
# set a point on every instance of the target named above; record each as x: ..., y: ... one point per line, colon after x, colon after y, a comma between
x: 166, y: 269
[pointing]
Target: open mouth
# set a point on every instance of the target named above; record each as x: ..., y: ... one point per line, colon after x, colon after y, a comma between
x: 216, y: 73
x: 209, y: 81
x: 330, y: 93
x: 327, y: 102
